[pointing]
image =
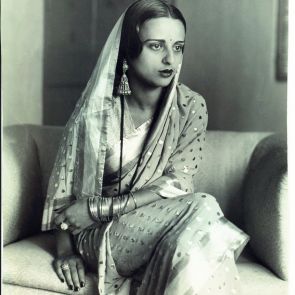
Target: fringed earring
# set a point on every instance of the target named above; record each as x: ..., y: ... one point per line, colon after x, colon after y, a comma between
x: 124, y: 88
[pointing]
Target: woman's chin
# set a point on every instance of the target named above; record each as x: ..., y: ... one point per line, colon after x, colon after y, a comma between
x: 160, y: 82
x: 167, y: 82
x: 163, y: 82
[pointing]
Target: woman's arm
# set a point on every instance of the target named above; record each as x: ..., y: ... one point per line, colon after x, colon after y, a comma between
x: 64, y: 244
x: 141, y: 198
x: 177, y: 178
x: 74, y: 274
x: 68, y: 265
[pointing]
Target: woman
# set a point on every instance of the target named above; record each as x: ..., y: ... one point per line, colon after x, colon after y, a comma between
x: 121, y: 192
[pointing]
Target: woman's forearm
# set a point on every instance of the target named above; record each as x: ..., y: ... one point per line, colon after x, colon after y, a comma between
x: 141, y: 198
x: 64, y: 244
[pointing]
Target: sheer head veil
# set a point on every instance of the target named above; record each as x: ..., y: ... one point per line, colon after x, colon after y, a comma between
x: 79, y: 165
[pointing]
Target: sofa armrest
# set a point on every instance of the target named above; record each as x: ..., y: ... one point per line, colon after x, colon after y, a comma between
x: 265, y: 207
x: 21, y: 194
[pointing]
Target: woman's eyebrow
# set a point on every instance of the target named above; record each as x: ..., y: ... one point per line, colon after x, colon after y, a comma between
x: 161, y: 40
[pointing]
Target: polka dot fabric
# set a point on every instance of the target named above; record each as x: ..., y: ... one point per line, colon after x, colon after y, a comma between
x: 173, y: 152
x: 157, y: 248
x: 185, y: 159
x: 179, y: 246
x: 183, y: 146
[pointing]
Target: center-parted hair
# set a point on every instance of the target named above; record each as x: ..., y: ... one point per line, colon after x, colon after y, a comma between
x: 136, y: 15
x: 139, y: 12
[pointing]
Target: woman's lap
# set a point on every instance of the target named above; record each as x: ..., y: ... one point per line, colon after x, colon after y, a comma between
x: 170, y: 239
x: 135, y: 236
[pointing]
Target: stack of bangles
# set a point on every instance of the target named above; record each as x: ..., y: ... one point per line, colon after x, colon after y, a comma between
x: 105, y: 209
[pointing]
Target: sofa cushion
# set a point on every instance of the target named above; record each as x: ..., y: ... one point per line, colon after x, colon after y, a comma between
x: 9, y: 289
x: 257, y: 280
x: 28, y: 263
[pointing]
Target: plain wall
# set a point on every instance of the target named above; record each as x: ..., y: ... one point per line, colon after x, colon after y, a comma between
x: 230, y: 58
x: 22, y: 61
x: 75, y: 32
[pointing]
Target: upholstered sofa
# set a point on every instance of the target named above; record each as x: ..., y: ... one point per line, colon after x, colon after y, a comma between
x: 245, y: 171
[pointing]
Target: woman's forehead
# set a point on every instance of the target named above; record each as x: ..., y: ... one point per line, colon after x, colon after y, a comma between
x: 162, y: 28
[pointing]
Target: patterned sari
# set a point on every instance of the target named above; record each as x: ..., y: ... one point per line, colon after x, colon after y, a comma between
x: 173, y: 246
x: 181, y: 244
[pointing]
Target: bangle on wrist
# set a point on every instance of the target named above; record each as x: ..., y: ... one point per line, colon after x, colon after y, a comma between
x: 125, y: 202
x: 104, y: 209
x: 92, y: 206
x: 100, y: 208
x: 134, y: 200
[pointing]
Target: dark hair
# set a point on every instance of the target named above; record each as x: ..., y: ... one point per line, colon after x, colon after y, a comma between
x: 139, y: 12
x: 136, y: 15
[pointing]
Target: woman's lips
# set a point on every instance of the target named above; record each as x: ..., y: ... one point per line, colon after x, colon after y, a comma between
x: 166, y: 73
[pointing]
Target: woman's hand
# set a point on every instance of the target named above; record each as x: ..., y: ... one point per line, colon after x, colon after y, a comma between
x: 70, y: 269
x: 76, y: 216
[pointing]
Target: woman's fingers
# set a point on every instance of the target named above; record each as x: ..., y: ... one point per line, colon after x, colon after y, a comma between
x: 74, y: 225
x: 69, y: 220
x: 76, y: 230
x: 67, y: 274
x: 72, y: 220
x: 81, y: 272
x: 74, y: 274
x: 57, y: 267
x: 60, y: 218
x: 76, y: 216
x: 71, y: 269
x: 68, y: 278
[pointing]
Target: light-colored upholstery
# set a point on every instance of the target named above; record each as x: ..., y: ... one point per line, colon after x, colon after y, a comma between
x: 28, y: 155
x: 28, y: 263
x: 266, y: 190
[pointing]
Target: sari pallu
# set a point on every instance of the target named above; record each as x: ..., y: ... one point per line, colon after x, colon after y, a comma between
x: 173, y: 149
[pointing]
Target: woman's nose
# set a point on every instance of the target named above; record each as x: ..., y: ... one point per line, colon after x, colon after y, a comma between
x: 169, y: 57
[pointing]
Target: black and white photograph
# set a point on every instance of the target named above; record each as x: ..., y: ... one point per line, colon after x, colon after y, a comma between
x: 145, y: 147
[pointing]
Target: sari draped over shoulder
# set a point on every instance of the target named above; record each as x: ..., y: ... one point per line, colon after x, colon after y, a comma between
x: 172, y: 151
x: 177, y: 245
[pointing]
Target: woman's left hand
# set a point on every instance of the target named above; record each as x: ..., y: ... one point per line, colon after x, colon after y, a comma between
x: 76, y: 216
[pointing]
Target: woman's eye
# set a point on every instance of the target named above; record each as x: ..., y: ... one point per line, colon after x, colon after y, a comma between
x: 155, y: 46
x: 178, y: 48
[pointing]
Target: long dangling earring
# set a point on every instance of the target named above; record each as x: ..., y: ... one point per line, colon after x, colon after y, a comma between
x: 124, y: 88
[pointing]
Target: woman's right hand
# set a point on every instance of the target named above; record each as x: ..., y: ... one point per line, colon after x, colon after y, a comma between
x: 70, y: 269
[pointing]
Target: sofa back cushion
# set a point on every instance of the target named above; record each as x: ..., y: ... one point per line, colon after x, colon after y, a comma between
x: 221, y: 173
x: 32, y: 151
x: 224, y: 167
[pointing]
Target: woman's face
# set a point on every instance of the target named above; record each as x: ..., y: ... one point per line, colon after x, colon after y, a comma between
x: 162, y: 52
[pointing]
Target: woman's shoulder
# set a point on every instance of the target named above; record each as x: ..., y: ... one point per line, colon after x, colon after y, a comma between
x: 185, y: 95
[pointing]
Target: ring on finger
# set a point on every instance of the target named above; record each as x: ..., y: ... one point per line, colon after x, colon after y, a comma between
x: 65, y: 266
x: 64, y: 226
